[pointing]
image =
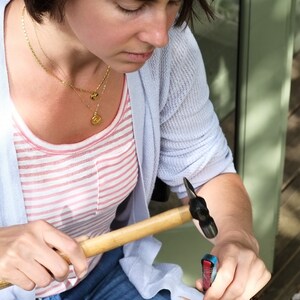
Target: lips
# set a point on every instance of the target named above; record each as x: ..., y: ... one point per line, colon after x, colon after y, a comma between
x: 138, y: 57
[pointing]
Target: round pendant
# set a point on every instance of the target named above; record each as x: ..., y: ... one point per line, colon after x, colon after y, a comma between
x: 94, y: 95
x: 96, y: 119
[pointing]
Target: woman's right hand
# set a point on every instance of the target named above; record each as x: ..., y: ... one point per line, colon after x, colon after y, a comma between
x: 29, y: 258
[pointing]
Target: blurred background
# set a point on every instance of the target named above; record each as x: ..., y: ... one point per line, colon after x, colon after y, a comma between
x: 251, y: 51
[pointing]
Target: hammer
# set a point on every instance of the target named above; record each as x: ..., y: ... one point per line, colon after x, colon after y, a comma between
x: 196, y: 209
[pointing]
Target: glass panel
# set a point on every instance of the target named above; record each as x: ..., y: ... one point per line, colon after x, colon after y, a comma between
x: 218, y: 41
x: 297, y: 27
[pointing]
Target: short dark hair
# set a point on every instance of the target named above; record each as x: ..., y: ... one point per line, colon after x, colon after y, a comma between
x: 55, y: 8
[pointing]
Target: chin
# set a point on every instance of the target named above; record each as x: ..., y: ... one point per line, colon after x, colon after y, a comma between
x: 127, y: 67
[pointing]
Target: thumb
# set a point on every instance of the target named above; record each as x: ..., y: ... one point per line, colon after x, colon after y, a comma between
x: 82, y: 238
x: 199, y: 285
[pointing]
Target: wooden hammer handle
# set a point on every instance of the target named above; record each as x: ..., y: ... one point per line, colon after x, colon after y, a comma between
x: 114, y: 239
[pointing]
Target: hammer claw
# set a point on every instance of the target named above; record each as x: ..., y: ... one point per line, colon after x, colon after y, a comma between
x: 200, y: 212
x: 189, y: 189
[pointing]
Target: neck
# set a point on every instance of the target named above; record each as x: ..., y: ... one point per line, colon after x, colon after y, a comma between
x: 59, y: 49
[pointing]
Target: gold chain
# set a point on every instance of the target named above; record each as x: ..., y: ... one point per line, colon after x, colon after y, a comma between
x: 93, y: 93
x: 96, y: 118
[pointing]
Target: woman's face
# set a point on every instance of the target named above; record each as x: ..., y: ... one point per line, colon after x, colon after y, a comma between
x: 122, y: 33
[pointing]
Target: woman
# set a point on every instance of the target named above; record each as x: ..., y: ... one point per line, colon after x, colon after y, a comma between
x: 98, y: 98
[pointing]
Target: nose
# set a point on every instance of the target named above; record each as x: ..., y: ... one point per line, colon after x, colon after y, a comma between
x: 155, y: 32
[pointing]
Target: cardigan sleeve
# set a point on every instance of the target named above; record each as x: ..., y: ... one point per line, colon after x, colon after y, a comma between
x: 192, y: 142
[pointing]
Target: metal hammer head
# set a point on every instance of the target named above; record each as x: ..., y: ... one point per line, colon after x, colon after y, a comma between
x: 200, y: 212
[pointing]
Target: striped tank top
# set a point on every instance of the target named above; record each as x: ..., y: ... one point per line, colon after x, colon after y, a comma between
x: 77, y: 187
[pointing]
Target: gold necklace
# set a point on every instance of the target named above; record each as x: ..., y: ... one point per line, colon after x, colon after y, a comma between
x: 96, y: 118
x: 93, y: 93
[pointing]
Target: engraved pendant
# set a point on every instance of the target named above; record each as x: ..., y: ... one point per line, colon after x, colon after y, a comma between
x: 94, y: 95
x: 96, y: 119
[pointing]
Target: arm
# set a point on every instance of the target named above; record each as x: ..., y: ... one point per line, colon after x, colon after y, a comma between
x: 193, y: 146
x: 241, y: 272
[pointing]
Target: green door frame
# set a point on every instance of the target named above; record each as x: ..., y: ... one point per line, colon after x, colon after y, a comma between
x: 264, y: 77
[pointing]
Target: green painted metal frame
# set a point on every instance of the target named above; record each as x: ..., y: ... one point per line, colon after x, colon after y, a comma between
x: 264, y: 77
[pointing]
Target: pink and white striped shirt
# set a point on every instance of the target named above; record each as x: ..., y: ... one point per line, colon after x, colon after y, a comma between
x: 77, y: 187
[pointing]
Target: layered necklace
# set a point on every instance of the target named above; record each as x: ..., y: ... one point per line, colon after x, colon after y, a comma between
x: 94, y: 95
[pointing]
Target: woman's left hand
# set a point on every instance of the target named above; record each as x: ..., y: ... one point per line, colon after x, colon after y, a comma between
x: 241, y: 273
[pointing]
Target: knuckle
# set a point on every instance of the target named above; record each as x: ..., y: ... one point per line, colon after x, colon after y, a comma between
x: 251, y: 255
x: 227, y: 276
x: 27, y: 285
x: 23, y: 241
x: 10, y: 256
x: 72, y: 247
x: 237, y: 289
x: 39, y: 225
x: 230, y: 249
x: 61, y: 272
x: 267, y: 276
x: 260, y: 267
x: 81, y: 268
x: 44, y: 281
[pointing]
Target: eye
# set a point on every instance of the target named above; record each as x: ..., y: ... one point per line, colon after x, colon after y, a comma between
x: 175, y: 2
x: 131, y: 10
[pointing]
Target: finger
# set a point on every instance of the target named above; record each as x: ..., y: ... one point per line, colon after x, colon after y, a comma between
x: 70, y: 248
x: 225, y: 276
x: 35, y: 272
x: 21, y: 267
x: 82, y: 238
x: 26, y: 273
x: 56, y: 266
x: 241, y: 277
x: 37, y: 259
x: 18, y: 278
x: 259, y: 277
x: 199, y: 285
x: 256, y: 277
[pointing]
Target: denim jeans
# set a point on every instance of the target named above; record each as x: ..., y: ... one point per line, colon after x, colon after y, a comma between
x: 106, y: 282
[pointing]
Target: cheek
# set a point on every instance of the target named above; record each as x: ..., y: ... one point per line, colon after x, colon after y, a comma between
x: 94, y: 29
x: 103, y: 37
x: 106, y: 43
x: 99, y: 39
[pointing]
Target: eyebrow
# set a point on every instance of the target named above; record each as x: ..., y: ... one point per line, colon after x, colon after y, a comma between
x: 150, y: 1
x: 146, y: 0
x: 153, y: 0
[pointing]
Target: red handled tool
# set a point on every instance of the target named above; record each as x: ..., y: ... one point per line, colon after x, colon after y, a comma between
x: 209, y: 270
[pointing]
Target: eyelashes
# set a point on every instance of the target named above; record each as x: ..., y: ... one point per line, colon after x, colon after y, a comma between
x: 135, y: 11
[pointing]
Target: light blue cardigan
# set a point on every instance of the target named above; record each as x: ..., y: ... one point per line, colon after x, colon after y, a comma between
x: 177, y: 134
